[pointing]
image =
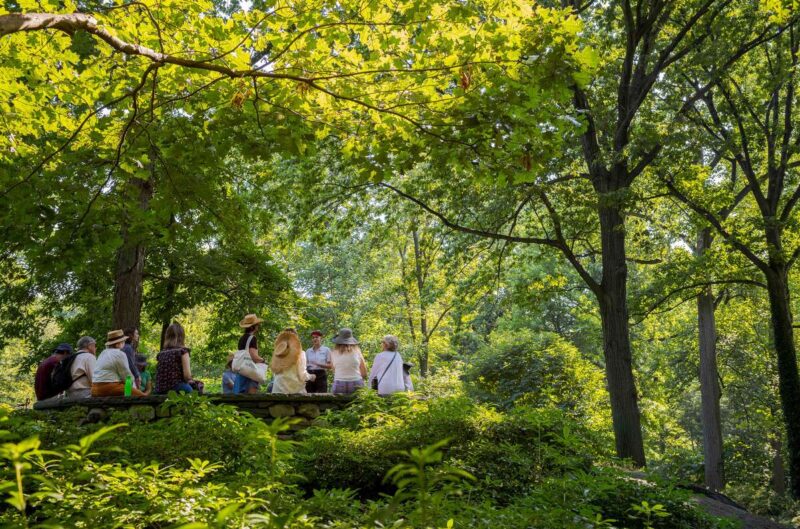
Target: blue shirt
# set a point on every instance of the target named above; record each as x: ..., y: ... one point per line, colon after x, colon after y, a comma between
x: 228, y: 382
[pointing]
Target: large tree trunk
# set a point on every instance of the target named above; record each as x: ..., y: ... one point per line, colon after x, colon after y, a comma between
x: 423, y: 309
x: 128, y: 285
x: 129, y: 271
x: 616, y: 337
x: 709, y: 380
x: 778, y: 472
x: 788, y: 380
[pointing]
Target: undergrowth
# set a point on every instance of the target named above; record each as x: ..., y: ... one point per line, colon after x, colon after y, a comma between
x: 398, y: 462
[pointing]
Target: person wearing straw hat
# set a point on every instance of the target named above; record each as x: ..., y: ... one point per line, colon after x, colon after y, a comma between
x: 251, y: 324
x: 111, y: 369
x: 289, y: 364
x: 349, y: 368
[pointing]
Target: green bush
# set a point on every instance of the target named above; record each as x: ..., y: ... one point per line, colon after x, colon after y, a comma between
x: 378, y: 463
x: 539, y: 370
x: 507, y: 452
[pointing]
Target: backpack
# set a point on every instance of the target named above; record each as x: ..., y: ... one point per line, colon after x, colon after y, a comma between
x: 61, y: 376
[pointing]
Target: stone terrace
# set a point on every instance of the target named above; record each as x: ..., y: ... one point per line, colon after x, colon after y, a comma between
x: 265, y: 406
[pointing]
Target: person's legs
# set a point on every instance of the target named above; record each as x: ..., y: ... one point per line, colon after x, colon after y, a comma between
x: 108, y: 389
x: 245, y: 385
x: 83, y: 393
x: 182, y: 387
x: 342, y: 387
x: 320, y: 383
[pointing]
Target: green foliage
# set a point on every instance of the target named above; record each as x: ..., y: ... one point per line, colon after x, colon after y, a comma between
x: 101, y: 478
x: 508, y: 453
x: 428, y: 487
x: 538, y: 370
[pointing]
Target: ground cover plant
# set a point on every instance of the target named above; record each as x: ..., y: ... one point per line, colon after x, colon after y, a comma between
x: 369, y: 464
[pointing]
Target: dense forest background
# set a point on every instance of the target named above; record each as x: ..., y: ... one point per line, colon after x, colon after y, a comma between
x: 584, y: 208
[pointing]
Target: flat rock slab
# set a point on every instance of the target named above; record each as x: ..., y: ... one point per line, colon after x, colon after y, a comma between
x: 748, y: 520
x: 265, y: 406
x: 258, y: 400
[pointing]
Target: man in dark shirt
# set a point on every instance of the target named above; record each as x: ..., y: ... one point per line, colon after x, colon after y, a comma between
x: 129, y: 349
x: 42, y: 382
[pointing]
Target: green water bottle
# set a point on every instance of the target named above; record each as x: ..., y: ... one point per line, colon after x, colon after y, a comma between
x: 128, y: 385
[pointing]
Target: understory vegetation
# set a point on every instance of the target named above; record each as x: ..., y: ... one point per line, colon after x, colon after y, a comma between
x: 396, y: 462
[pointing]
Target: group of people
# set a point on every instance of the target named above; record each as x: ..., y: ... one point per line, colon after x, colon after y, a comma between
x: 118, y: 370
x: 297, y: 371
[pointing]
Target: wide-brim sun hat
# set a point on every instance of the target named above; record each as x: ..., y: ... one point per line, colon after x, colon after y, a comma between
x: 141, y: 360
x: 287, y: 351
x: 345, y: 337
x: 115, y: 336
x: 249, y: 321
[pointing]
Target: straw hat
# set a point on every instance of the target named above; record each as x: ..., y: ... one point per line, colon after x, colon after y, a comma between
x: 345, y: 337
x: 115, y: 337
x: 249, y: 321
x: 287, y: 351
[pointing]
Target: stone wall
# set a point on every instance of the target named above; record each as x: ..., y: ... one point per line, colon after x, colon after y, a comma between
x: 265, y: 406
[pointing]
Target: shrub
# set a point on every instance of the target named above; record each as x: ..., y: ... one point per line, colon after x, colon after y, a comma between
x: 507, y: 452
x: 539, y: 370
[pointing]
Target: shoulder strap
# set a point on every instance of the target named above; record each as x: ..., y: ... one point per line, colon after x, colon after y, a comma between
x: 387, y: 368
x: 247, y: 345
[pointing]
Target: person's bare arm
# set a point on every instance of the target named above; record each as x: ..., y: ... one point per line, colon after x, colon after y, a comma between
x: 362, y: 366
x: 254, y: 356
x: 187, y: 371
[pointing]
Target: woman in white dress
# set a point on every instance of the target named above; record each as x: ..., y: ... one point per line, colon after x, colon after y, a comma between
x: 387, y: 374
x: 289, y: 364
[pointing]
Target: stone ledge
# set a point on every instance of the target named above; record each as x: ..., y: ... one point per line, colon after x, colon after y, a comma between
x: 259, y: 400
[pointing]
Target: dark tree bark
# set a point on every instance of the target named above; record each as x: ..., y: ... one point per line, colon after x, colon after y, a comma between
x: 129, y: 271
x: 422, y: 355
x: 709, y: 380
x: 616, y: 338
x: 778, y: 477
x: 788, y: 379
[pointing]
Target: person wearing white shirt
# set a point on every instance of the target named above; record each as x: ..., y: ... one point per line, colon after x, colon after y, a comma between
x: 111, y: 369
x: 349, y: 367
x: 387, y: 374
x: 318, y: 361
x: 82, y: 369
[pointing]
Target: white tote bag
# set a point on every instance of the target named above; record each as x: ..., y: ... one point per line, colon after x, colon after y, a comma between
x: 244, y: 365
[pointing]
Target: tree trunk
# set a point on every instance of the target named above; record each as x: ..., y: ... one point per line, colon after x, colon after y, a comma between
x: 406, y: 296
x: 129, y: 272
x: 778, y: 471
x: 616, y: 337
x: 709, y: 380
x: 128, y: 285
x: 423, y: 309
x: 788, y: 380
